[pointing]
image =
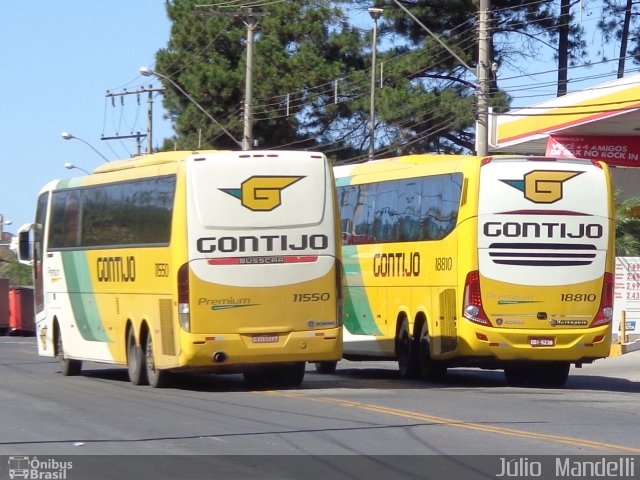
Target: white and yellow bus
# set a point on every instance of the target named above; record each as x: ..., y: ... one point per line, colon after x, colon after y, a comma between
x: 210, y: 261
x: 499, y: 262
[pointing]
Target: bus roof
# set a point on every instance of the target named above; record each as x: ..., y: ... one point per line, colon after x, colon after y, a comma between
x: 180, y: 155
x: 148, y: 160
x: 434, y: 163
x: 402, y: 163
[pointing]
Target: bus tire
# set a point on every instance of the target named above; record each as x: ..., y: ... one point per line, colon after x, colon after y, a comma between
x: 156, y: 378
x: 326, y: 367
x: 555, y: 374
x: 428, y: 368
x: 515, y: 375
x: 256, y: 379
x: 405, y: 352
x: 135, y: 361
x: 285, y: 376
x: 290, y: 376
x: 538, y: 374
x: 68, y: 367
x: 278, y: 376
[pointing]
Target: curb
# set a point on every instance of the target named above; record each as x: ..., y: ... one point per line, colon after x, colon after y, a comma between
x: 618, y: 349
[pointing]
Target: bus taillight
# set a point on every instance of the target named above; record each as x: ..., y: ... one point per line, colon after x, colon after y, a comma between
x: 472, y: 308
x: 605, y: 312
x: 183, y: 298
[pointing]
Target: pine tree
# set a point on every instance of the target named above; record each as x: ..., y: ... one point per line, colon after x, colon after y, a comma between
x: 299, y: 49
x: 312, y: 72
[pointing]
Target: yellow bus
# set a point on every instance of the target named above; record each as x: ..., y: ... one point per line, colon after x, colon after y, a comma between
x: 211, y: 261
x: 501, y: 262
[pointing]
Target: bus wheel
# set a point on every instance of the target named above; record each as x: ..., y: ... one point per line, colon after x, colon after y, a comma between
x: 540, y: 374
x: 428, y: 368
x: 516, y: 376
x: 279, y: 376
x: 157, y: 378
x: 326, y: 367
x: 257, y: 379
x: 404, y: 353
x: 68, y: 367
x: 290, y: 376
x: 555, y: 374
x: 135, y: 361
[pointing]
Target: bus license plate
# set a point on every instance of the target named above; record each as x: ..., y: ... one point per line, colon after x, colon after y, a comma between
x: 542, y: 341
x: 265, y: 339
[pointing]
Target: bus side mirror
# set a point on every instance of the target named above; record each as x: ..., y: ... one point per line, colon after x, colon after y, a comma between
x: 24, y: 246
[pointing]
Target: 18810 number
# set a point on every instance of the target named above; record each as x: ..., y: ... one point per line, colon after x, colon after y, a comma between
x: 444, y: 263
x: 578, y: 297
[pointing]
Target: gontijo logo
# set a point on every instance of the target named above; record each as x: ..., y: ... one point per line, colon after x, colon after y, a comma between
x: 542, y: 186
x: 262, y: 193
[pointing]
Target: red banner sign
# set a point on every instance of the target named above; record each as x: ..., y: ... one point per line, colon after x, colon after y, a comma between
x: 621, y: 151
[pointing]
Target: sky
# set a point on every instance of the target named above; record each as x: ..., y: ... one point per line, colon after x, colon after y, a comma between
x: 60, y: 57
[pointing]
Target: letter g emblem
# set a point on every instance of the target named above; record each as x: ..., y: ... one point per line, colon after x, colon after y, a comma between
x: 542, y: 186
x: 262, y: 193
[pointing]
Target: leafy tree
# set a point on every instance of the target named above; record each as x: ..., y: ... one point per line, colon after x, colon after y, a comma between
x: 18, y: 274
x: 627, y: 227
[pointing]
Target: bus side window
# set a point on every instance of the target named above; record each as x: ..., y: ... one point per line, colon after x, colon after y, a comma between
x: 72, y: 222
x: 409, y: 206
x: 65, y: 221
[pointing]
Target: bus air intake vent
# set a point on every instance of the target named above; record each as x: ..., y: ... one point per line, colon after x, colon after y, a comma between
x: 166, y: 327
x: 542, y: 255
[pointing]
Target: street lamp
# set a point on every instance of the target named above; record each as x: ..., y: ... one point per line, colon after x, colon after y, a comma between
x: 375, y: 13
x: 147, y: 72
x: 70, y: 166
x: 69, y: 136
x: 3, y: 222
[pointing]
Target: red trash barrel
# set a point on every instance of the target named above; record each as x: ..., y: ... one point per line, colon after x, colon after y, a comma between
x: 21, y: 316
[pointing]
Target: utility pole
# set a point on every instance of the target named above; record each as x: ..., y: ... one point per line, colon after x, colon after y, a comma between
x: 149, y: 90
x: 480, y: 73
x: 247, y: 137
x: 375, y: 14
x: 150, y: 121
x: 249, y: 18
x: 484, y: 66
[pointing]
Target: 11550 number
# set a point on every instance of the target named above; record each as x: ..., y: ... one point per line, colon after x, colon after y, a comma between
x: 311, y: 297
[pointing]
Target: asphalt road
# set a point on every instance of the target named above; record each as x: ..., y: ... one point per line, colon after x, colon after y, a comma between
x: 364, y: 411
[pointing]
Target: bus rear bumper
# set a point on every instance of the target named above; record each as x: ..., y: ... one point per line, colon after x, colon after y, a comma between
x: 223, y: 352
x: 512, y: 344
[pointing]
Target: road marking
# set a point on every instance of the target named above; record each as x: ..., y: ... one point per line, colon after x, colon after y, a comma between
x: 450, y: 422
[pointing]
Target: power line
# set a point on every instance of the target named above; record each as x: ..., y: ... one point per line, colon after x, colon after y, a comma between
x: 138, y: 136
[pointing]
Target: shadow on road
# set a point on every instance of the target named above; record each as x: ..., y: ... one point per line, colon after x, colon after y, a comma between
x: 375, y: 378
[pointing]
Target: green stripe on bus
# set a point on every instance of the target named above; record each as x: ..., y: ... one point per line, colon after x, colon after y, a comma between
x: 358, y: 316
x: 85, y: 308
x: 70, y: 182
